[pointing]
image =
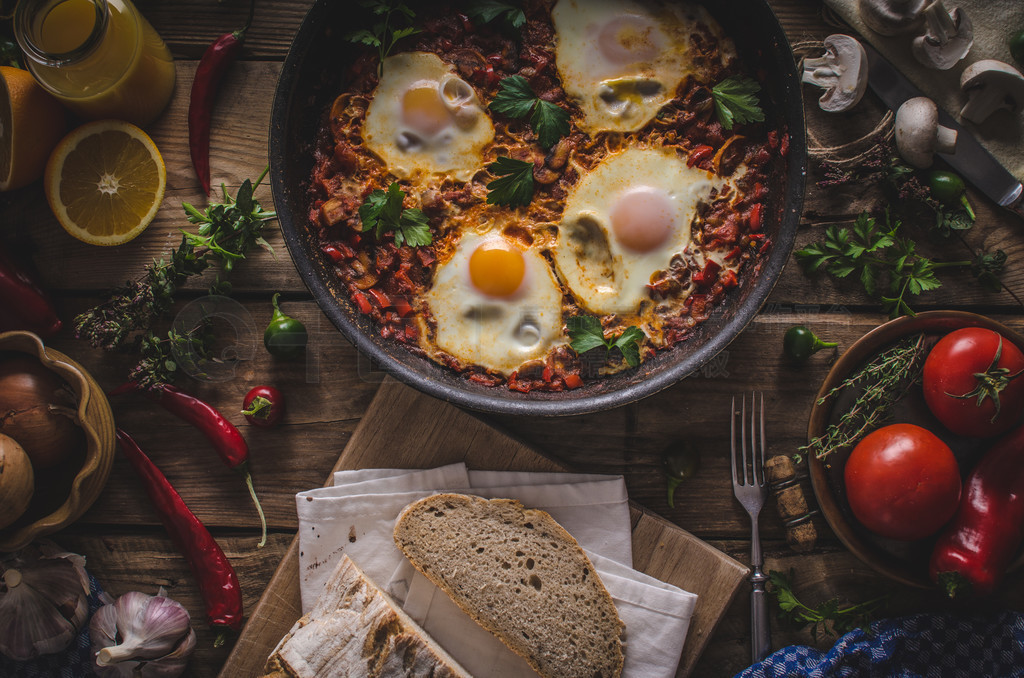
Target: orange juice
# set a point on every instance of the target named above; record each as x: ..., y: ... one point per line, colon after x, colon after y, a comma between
x: 101, y: 58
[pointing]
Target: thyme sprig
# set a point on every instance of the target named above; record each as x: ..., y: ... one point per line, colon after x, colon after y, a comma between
x: 882, y: 382
x: 227, y: 231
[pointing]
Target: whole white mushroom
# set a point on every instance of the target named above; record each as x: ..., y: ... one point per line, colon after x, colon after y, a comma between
x: 919, y: 136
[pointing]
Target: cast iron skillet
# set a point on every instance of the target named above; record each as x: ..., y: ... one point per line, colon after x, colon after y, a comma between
x: 311, y: 78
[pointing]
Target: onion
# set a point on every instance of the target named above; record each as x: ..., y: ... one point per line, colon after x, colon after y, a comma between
x: 16, y: 481
x: 38, y: 409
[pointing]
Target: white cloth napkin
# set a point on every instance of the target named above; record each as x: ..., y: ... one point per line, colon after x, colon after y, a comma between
x: 356, y: 516
x: 994, y: 22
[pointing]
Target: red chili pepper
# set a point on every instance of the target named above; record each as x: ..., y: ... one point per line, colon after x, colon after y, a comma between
x: 709, y: 275
x: 226, y: 439
x: 754, y: 217
x: 25, y: 305
x: 972, y: 554
x: 381, y: 297
x: 212, y: 67
x: 573, y: 380
x: 699, y: 154
x: 403, y: 306
x: 211, y: 568
x: 362, y: 302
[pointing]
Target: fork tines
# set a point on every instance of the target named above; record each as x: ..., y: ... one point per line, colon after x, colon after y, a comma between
x: 753, y: 465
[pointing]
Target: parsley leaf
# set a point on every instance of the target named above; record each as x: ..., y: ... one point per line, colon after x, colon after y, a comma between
x: 586, y: 334
x: 882, y: 258
x: 827, y: 617
x: 486, y: 11
x: 382, y: 212
x: 383, y: 35
x: 516, y: 99
x: 736, y: 101
x: 514, y: 186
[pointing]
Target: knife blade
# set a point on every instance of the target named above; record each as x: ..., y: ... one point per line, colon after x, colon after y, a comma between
x: 970, y: 158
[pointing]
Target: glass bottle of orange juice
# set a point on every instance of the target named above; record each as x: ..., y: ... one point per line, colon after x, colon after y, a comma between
x: 101, y: 58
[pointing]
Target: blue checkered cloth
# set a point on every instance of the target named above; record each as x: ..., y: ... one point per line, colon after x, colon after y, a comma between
x: 916, y: 646
x: 73, y: 662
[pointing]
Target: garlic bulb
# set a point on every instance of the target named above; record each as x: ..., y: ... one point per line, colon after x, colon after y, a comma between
x: 43, y: 600
x: 140, y: 635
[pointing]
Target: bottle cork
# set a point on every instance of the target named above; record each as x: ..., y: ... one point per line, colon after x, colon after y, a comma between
x: 791, y: 503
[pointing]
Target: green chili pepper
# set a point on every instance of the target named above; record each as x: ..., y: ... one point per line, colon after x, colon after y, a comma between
x: 799, y: 344
x: 285, y: 337
x: 10, y: 53
x: 1017, y: 47
x: 949, y: 189
x: 680, y: 461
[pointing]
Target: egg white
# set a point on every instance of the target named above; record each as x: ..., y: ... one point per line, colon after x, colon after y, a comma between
x: 621, y: 61
x: 604, y: 275
x: 455, y: 149
x: 497, y: 333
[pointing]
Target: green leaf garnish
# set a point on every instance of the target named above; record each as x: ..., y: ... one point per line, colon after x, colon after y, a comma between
x: 516, y: 99
x: 383, y: 35
x: 514, y: 186
x: 736, y: 101
x: 382, y: 212
x: 486, y: 11
x: 828, y: 617
x: 586, y: 334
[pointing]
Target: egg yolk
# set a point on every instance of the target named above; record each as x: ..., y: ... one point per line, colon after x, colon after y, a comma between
x: 497, y: 269
x: 423, y: 110
x: 642, y: 219
x: 627, y: 39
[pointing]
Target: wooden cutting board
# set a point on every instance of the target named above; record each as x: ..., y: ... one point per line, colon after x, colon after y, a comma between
x: 403, y: 428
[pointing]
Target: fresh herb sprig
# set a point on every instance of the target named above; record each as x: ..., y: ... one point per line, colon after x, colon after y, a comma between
x: 382, y: 212
x: 486, y: 11
x: 516, y: 99
x: 882, y: 258
x: 227, y: 231
x: 879, y: 385
x: 514, y: 185
x: 586, y: 334
x: 383, y: 34
x: 829, y: 617
x: 736, y: 101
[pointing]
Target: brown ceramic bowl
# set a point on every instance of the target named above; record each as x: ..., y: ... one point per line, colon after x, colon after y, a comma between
x: 906, y: 562
x: 71, y: 492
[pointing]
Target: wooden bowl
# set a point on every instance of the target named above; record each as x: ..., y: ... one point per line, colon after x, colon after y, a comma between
x: 86, y: 475
x: 906, y: 562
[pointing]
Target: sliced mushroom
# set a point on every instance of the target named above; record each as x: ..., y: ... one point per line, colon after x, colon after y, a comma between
x: 892, y: 17
x: 947, y: 39
x: 919, y: 136
x: 842, y: 72
x: 990, y: 85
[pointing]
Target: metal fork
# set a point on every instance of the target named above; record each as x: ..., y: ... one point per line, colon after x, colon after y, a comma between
x: 751, y: 489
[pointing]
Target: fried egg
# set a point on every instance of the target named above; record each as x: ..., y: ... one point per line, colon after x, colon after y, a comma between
x: 623, y: 222
x: 496, y: 304
x: 622, y: 61
x: 425, y: 119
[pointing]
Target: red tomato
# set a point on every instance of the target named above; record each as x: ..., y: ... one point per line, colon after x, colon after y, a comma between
x: 973, y: 384
x: 263, y: 406
x: 902, y: 482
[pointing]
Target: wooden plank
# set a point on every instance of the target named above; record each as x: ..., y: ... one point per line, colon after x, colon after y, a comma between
x: 446, y: 435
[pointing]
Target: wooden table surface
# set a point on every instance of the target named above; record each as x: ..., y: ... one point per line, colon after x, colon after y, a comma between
x: 121, y: 536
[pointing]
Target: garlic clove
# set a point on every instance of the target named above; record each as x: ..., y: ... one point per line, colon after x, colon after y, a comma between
x: 43, y: 600
x: 151, y: 634
x: 29, y: 624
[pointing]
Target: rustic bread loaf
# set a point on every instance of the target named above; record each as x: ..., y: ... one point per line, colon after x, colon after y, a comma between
x: 521, y: 576
x: 357, y: 630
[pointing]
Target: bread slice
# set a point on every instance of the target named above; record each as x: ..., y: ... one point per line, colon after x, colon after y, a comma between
x: 521, y: 576
x: 357, y: 630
